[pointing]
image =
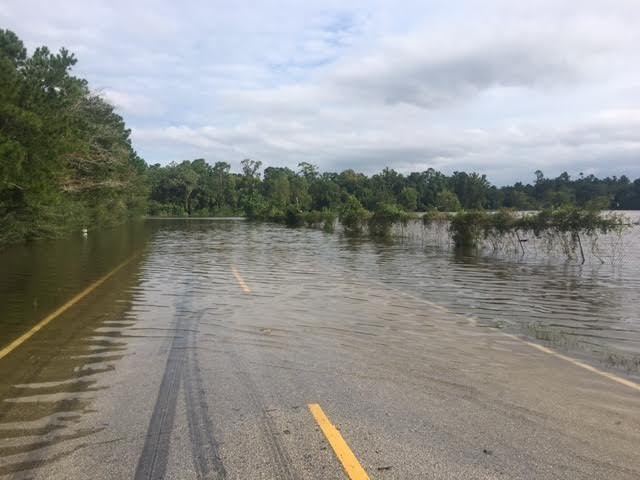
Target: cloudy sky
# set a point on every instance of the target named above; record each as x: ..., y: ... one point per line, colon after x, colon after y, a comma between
x: 499, y: 87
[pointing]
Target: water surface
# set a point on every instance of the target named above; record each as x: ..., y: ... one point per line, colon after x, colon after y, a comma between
x: 326, y: 315
x: 589, y: 310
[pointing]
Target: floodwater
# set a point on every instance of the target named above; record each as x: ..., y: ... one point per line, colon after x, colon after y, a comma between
x: 590, y: 310
x: 315, y: 288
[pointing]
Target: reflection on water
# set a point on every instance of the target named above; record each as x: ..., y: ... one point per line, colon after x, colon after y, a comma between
x: 49, y: 383
x: 37, y: 278
x: 49, y: 386
x: 589, y: 310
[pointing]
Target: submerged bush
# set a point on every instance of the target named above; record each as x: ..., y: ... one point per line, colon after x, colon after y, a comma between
x: 567, y: 225
x: 564, y: 226
x: 324, y: 219
x: 329, y: 221
x: 353, y: 216
x: 294, y: 217
x: 385, y: 216
x: 571, y: 220
x: 467, y: 228
x: 435, y: 217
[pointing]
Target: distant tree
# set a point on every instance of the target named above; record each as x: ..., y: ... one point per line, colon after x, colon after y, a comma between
x: 408, y: 199
x: 308, y: 171
x: 447, y: 201
x: 277, y: 187
x: 325, y: 193
x: 300, y: 196
x: 471, y: 189
x: 185, y: 179
x: 250, y: 182
x: 222, y: 185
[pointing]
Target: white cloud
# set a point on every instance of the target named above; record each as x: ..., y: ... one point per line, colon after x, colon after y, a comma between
x: 132, y: 104
x: 501, y: 87
x: 588, y: 144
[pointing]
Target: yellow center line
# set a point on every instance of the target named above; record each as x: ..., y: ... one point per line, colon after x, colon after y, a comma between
x: 343, y: 452
x: 59, y: 311
x: 243, y: 285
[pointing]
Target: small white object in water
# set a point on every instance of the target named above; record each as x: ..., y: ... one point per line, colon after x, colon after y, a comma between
x: 85, y: 232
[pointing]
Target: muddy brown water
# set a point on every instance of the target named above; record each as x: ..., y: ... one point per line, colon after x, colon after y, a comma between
x: 589, y: 311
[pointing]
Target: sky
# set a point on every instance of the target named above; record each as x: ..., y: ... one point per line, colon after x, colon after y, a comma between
x: 499, y: 87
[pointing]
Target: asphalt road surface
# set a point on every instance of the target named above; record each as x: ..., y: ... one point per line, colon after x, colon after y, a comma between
x: 192, y: 363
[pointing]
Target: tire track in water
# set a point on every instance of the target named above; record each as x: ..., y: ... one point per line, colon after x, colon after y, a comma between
x: 280, y: 458
x: 270, y: 434
x: 152, y: 463
x: 206, y: 456
x: 182, y: 369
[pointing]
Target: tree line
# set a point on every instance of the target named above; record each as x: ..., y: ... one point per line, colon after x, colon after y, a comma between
x: 197, y: 188
x: 67, y: 162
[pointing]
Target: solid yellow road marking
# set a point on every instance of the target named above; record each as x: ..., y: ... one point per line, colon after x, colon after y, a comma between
x: 343, y: 452
x: 40, y: 325
x: 243, y: 285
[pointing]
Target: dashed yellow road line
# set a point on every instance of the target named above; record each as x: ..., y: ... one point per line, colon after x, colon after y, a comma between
x: 243, y: 285
x: 349, y: 461
x: 59, y: 311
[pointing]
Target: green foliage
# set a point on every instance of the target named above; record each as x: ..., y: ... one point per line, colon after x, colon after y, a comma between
x: 467, y: 228
x: 255, y: 208
x: 434, y: 216
x: 472, y: 189
x: 502, y: 222
x: 309, y: 190
x: 294, y: 217
x: 309, y: 198
x: 329, y: 221
x: 602, y: 202
x: 409, y: 199
x: 66, y: 159
x: 353, y: 216
x: 571, y: 220
x: 384, y: 218
x: 447, y: 201
x: 199, y: 189
x: 567, y: 225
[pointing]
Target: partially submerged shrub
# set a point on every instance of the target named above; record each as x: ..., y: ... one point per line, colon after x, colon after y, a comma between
x: 568, y: 224
x: 467, y: 228
x: 385, y: 216
x: 313, y: 219
x: 324, y: 219
x: 353, y: 216
x: 564, y: 226
x: 328, y: 221
x: 432, y: 217
x: 571, y: 220
x: 294, y: 217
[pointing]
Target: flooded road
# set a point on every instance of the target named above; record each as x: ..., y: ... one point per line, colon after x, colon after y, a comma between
x: 200, y: 356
